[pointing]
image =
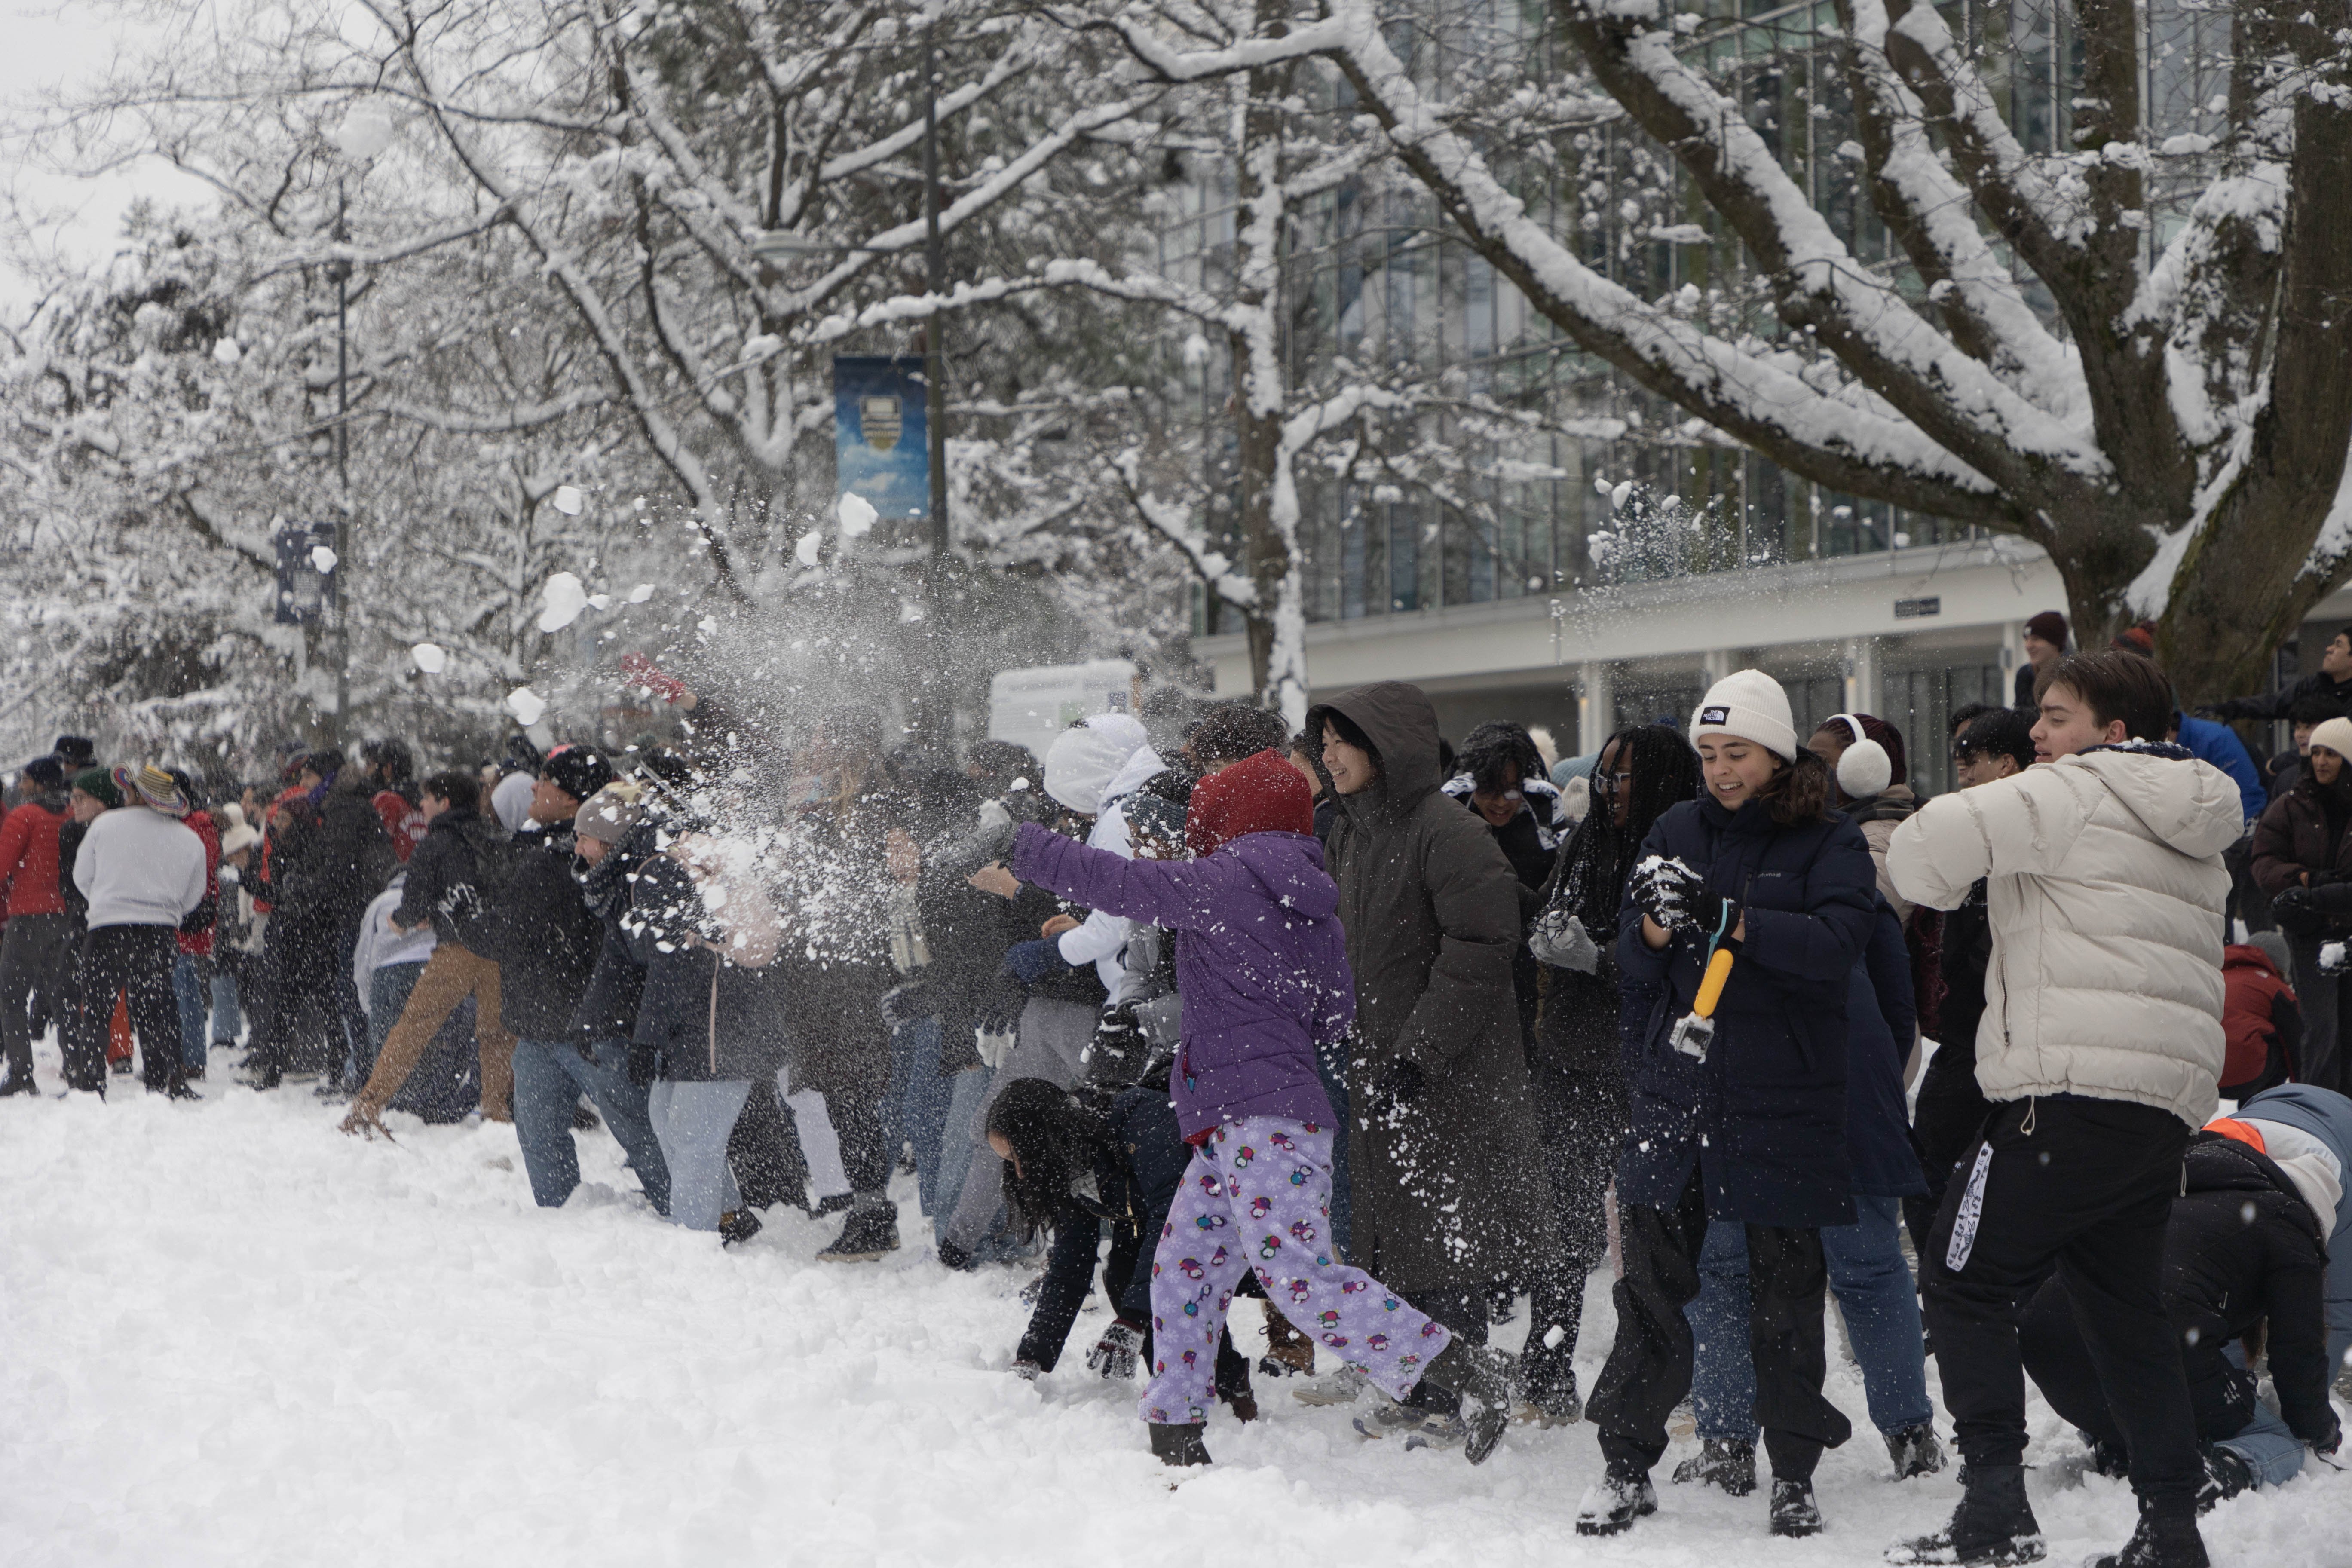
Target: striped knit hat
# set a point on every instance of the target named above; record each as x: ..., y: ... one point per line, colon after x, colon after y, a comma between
x: 153, y: 787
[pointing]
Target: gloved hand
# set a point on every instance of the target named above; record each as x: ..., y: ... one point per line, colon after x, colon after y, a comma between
x: 2332, y: 1440
x: 994, y: 1045
x: 1558, y: 938
x: 2332, y: 959
x: 1030, y: 962
x: 1117, y: 1051
x: 2297, y: 911
x: 1664, y: 889
x: 1115, y: 1354
x: 1399, y: 1083
x: 953, y: 1256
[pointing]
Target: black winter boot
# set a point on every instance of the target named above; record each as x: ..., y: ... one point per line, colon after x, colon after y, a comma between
x: 1916, y: 1451
x: 1794, y: 1512
x: 1725, y: 1462
x: 1178, y: 1445
x: 1614, y: 1502
x: 1481, y: 1373
x: 872, y: 1231
x: 2226, y: 1474
x: 737, y: 1227
x: 1994, y: 1524
x: 2162, y: 1541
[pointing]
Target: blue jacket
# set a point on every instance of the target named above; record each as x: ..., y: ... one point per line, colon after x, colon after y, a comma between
x: 2326, y: 1115
x: 1880, y: 1015
x: 2219, y: 745
x: 1763, y: 1118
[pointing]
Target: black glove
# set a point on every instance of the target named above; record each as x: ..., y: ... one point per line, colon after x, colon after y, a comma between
x: 953, y: 1256
x: 1399, y: 1083
x: 645, y: 1064
x: 1679, y: 900
x: 2297, y: 910
x: 2329, y: 1442
x: 1118, y: 1051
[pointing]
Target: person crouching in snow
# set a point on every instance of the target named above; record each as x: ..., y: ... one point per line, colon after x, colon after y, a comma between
x: 1262, y: 964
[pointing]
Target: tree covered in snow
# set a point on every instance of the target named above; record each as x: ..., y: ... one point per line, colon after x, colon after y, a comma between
x: 2127, y: 351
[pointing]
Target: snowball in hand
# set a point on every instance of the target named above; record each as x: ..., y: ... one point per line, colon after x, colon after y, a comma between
x: 565, y: 599
x: 526, y: 705
x: 431, y: 658
x: 323, y: 558
x: 567, y: 500
x: 858, y: 515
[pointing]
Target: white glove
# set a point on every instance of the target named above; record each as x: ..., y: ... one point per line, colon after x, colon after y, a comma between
x: 994, y: 1049
x: 1115, y: 1354
x: 2331, y: 958
x: 1558, y: 939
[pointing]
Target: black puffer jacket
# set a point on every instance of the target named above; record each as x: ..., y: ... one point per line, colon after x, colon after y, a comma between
x: 443, y: 870
x: 544, y: 940
x: 332, y: 859
x: 608, y: 1009
x: 703, y: 1018
x: 2242, y: 1246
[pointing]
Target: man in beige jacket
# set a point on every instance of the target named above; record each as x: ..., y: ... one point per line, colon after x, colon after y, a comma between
x: 2099, y: 1049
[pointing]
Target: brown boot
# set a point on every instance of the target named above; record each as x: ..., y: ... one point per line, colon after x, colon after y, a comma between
x: 1286, y: 1349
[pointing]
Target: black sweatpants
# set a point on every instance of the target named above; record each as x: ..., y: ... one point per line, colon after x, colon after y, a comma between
x: 1583, y: 1121
x: 2049, y: 1338
x: 135, y: 961
x: 1649, y: 1368
x: 1464, y: 1311
x: 2087, y: 1185
x: 2321, y: 999
x: 1946, y: 1123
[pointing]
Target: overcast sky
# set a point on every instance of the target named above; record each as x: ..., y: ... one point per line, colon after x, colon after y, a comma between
x: 50, y: 44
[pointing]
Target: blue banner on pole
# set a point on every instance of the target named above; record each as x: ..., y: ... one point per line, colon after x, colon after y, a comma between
x: 304, y: 575
x: 881, y: 437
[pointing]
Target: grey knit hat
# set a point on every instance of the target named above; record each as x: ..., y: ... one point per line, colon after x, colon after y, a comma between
x: 610, y: 813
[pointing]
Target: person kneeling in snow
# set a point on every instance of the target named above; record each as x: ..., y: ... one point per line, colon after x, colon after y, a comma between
x: 1071, y: 1172
x: 1262, y: 965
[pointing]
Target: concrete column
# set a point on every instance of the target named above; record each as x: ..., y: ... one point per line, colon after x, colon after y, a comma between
x: 1596, y: 704
x: 1717, y: 662
x: 2013, y: 652
x: 1861, y: 657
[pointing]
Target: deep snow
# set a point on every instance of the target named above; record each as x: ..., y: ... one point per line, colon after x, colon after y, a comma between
x: 230, y: 1335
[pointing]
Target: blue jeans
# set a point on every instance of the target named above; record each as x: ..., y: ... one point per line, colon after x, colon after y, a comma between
x: 447, y: 1083
x: 966, y: 1091
x: 692, y: 1122
x: 1874, y: 1292
x: 550, y: 1077
x: 188, y: 990
x: 915, y: 1110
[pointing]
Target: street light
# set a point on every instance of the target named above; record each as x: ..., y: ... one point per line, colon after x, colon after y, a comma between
x: 366, y: 130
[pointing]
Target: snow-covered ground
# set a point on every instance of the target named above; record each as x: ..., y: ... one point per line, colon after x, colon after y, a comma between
x: 230, y: 1335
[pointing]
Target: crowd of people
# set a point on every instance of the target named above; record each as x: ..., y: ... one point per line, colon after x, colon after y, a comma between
x: 1386, y: 1034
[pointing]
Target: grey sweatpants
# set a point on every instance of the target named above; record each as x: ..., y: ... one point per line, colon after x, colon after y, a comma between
x: 1054, y: 1035
x: 691, y: 1122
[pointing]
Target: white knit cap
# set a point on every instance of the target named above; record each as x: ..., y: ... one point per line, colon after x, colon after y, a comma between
x: 2335, y: 734
x: 1750, y: 705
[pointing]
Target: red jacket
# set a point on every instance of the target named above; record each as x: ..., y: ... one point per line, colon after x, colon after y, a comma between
x: 199, y: 944
x: 403, y: 821
x: 2261, y: 1021
x: 28, y: 859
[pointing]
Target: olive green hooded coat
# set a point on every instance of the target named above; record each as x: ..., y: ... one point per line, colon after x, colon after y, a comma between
x: 1446, y: 1191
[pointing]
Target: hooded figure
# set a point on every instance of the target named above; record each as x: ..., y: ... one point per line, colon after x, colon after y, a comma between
x: 1448, y: 1181
x: 1093, y: 769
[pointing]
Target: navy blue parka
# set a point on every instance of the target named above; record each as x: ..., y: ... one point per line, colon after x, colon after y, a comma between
x: 1763, y: 1118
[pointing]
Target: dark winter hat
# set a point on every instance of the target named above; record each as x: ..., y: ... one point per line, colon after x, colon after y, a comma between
x: 578, y: 771
x: 326, y: 763
x: 76, y: 752
x: 2139, y: 639
x: 1156, y: 816
x: 46, y: 772
x: 2050, y: 626
x: 99, y: 784
x: 1262, y: 794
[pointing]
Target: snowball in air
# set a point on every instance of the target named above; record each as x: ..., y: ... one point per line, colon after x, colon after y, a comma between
x: 641, y: 592
x: 526, y: 705
x: 227, y: 351
x: 323, y: 558
x: 565, y: 599
x: 1617, y: 496
x: 567, y: 500
x: 365, y: 132
x: 431, y: 658
x: 805, y: 550
x: 858, y: 515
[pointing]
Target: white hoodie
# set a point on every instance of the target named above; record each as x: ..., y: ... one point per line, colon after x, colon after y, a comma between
x: 139, y: 868
x: 2104, y: 888
x: 1106, y: 760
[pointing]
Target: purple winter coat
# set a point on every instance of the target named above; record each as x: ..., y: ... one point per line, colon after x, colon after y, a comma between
x: 1263, y: 963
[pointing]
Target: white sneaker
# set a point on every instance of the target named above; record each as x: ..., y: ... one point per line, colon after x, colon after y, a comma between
x: 1418, y: 1428
x: 1342, y: 1388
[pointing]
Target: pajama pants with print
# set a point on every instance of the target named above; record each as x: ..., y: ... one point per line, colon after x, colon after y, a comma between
x: 1257, y: 1196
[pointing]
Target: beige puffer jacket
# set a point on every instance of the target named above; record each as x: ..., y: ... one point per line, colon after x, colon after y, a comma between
x: 2105, y: 891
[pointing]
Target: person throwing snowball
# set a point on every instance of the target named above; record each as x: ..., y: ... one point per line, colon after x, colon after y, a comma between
x: 1262, y: 965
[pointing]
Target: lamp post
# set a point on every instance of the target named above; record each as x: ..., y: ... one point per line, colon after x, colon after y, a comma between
x: 366, y: 130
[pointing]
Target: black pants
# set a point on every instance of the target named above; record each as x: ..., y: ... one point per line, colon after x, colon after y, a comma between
x: 1948, y: 1120
x: 135, y: 961
x: 2087, y: 1185
x: 2322, y: 1066
x: 764, y: 1150
x: 2058, y: 1358
x: 1583, y: 1122
x: 307, y: 966
x: 841, y: 1049
x: 33, y: 956
x: 1649, y: 1368
x: 1464, y: 1311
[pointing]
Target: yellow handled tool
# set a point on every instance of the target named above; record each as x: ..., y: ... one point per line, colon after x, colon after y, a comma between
x: 1696, y: 1032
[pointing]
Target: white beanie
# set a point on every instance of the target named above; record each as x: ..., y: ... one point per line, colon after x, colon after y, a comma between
x: 2335, y: 734
x: 1750, y: 705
